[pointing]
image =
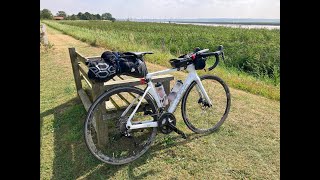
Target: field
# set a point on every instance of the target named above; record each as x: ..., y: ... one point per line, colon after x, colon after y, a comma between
x: 247, y: 146
x: 252, y: 55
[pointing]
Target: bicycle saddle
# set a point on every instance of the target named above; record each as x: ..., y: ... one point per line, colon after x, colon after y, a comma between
x: 138, y: 54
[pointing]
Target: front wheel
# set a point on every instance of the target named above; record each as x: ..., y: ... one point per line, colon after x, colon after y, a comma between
x: 198, y: 115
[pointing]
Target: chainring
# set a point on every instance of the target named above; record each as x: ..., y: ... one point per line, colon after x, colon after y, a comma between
x: 163, y: 122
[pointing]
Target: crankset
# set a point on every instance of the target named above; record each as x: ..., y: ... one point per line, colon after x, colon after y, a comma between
x: 167, y: 124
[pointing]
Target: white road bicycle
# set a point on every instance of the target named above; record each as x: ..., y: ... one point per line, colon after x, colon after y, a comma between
x: 205, y: 106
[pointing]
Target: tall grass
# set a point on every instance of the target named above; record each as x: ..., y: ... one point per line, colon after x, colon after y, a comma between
x: 252, y: 55
x: 254, y: 51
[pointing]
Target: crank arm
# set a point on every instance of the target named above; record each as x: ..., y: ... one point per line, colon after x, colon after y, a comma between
x: 175, y: 129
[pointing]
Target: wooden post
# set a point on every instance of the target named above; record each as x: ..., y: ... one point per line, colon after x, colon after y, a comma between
x: 75, y: 68
x: 44, y: 36
x: 166, y: 86
x: 101, y: 124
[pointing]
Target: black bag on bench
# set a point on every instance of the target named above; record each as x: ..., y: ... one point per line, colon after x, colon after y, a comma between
x: 116, y: 63
x: 132, y: 66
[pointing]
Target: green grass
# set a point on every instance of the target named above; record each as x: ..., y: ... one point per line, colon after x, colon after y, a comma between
x: 106, y: 35
x: 247, y: 146
x: 254, y: 51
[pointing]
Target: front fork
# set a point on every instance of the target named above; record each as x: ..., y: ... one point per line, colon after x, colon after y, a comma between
x: 204, y: 98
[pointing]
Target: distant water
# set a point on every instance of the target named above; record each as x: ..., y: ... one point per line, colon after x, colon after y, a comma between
x: 228, y: 22
x: 251, y: 26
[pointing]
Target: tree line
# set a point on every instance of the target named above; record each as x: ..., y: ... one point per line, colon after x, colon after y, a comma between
x: 46, y: 14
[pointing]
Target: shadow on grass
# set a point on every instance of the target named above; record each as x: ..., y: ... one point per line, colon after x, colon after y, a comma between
x: 72, y: 159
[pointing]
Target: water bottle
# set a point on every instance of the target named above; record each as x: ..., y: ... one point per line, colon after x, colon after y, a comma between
x: 162, y: 94
x: 176, y: 88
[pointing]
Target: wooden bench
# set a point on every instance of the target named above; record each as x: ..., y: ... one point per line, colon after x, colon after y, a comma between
x: 97, y: 88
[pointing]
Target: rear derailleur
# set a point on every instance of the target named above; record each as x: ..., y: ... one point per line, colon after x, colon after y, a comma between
x: 121, y: 125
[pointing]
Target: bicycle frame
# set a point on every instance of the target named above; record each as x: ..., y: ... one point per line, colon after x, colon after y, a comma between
x: 192, y: 76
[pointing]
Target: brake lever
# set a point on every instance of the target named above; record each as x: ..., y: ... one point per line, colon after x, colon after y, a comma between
x: 220, y: 48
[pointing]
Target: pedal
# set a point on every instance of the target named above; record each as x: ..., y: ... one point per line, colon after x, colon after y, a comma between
x: 175, y: 129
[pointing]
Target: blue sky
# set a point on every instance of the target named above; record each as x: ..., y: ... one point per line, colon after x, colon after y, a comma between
x: 269, y: 9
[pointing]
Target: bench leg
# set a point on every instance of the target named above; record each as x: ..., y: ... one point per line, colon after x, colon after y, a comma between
x: 75, y: 68
x: 101, y: 124
x: 102, y: 128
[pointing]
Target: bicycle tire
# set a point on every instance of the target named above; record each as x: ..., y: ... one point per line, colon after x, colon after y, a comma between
x: 103, y: 154
x: 190, y: 119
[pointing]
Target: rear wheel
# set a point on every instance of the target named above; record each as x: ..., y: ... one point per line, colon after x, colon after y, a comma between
x: 117, y: 145
x: 196, y: 112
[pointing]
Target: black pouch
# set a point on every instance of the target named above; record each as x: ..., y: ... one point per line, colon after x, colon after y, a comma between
x: 103, y: 69
x: 133, y: 66
x: 199, y: 63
